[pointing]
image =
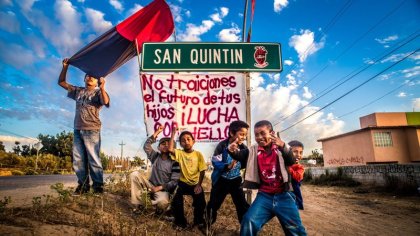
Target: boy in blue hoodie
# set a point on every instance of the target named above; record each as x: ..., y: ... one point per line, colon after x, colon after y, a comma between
x: 226, y: 177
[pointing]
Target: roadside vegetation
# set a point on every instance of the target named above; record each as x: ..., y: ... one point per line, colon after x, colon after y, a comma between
x: 55, y: 157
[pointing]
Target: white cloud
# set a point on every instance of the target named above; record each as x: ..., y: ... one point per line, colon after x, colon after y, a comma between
x: 256, y: 80
x: 368, y: 61
x: 280, y: 4
x: 194, y: 32
x: 402, y: 94
x: 274, y: 103
x: 304, y: 44
x: 65, y: 34
x: 218, y: 16
x: 177, y: 13
x: 288, y: 62
x: 416, y: 104
x: 387, y: 39
x: 117, y: 5
x: 306, y: 94
x: 96, y: 20
x: 16, y: 55
x: 26, y: 5
x: 410, y: 72
x: 6, y: 3
x: 9, y: 22
x: 399, y: 56
x: 134, y: 9
x: 230, y: 35
x: 9, y: 141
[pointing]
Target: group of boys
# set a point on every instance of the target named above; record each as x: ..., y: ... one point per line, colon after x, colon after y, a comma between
x: 271, y: 166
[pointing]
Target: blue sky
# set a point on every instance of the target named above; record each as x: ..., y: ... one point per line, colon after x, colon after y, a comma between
x: 322, y: 42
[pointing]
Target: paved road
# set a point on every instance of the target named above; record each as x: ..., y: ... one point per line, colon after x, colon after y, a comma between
x: 29, y: 181
x: 22, y: 189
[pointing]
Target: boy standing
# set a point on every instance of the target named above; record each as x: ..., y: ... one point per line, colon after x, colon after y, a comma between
x: 193, y: 168
x: 87, y: 129
x: 297, y: 170
x: 226, y: 177
x: 267, y: 163
x: 163, y: 179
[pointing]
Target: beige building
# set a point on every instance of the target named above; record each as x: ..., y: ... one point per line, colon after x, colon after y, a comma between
x: 391, y: 137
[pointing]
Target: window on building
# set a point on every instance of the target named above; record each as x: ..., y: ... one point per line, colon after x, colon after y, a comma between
x: 382, y: 139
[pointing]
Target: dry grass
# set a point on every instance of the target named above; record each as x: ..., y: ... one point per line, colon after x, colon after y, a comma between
x: 107, y: 214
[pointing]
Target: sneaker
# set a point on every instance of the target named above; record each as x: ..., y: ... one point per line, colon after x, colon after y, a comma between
x: 98, y: 190
x: 138, y: 210
x: 180, y: 226
x: 169, y: 218
x: 80, y: 190
x: 202, y: 228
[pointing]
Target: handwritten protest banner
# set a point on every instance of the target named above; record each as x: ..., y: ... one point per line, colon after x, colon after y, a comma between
x: 203, y: 104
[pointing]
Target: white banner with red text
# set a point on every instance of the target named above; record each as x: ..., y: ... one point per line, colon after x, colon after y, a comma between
x: 204, y: 104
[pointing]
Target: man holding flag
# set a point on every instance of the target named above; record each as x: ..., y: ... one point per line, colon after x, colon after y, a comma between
x: 87, y: 129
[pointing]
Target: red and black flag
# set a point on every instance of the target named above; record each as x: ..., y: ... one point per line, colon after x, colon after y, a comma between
x: 153, y: 23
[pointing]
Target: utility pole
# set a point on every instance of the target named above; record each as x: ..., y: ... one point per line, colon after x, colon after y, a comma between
x: 122, y: 148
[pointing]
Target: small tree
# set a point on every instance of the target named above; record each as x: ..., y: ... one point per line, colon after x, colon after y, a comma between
x: 2, y: 147
x: 104, y: 160
x: 16, y: 148
x: 137, y: 161
x: 319, y: 157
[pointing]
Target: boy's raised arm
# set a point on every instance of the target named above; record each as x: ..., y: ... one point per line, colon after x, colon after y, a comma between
x: 63, y: 74
x: 285, y: 150
x: 171, y: 147
x: 147, y: 147
x: 235, y: 153
x: 104, y: 94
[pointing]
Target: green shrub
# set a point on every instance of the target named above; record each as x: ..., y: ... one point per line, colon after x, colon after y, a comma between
x: 30, y: 171
x: 17, y: 172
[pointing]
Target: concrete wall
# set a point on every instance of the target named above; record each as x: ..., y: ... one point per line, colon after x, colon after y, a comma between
x: 384, y: 119
x: 374, y: 174
x: 413, y: 138
x: 349, y: 150
x: 399, y: 150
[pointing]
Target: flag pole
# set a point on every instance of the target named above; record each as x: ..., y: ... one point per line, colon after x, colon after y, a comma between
x: 138, y: 60
x: 247, y: 82
x: 244, y: 23
x: 141, y: 90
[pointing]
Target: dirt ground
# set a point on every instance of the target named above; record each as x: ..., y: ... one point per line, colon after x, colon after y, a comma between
x: 328, y: 211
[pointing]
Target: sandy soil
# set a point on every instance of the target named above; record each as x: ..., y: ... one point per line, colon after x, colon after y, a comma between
x: 328, y: 211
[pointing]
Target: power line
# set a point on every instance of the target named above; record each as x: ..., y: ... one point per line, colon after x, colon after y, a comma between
x: 379, y: 98
x: 350, y: 76
x: 330, y: 24
x: 352, y: 90
x: 344, y: 8
x: 356, y: 41
x: 19, y: 135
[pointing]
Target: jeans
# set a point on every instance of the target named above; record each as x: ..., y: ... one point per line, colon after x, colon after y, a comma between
x: 265, y: 207
x: 86, y: 160
x: 220, y: 190
x: 199, y: 204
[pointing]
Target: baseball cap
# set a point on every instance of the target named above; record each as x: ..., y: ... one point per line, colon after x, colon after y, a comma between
x: 164, y: 140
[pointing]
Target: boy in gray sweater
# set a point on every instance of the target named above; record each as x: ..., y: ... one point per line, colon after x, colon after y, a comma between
x: 163, y: 179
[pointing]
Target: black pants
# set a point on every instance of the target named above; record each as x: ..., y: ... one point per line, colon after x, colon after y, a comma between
x: 218, y: 194
x: 199, y: 204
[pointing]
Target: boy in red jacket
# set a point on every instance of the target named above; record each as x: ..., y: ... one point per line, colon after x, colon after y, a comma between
x: 296, y: 170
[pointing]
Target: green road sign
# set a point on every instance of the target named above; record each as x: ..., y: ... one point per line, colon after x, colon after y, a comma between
x: 264, y: 57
